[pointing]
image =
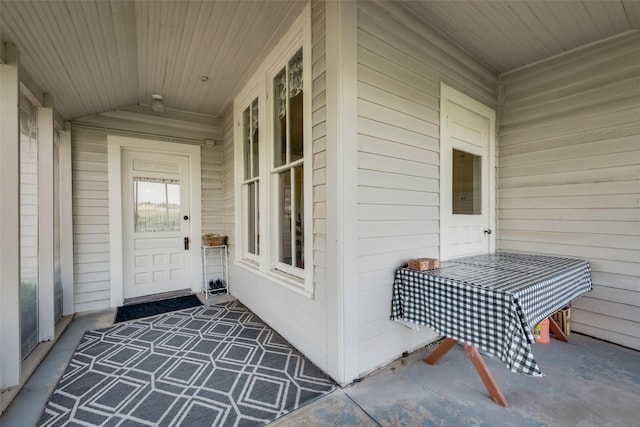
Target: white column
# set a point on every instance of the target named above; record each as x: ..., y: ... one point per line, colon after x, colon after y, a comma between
x: 342, y: 169
x: 66, y: 222
x: 46, y: 312
x: 10, y: 362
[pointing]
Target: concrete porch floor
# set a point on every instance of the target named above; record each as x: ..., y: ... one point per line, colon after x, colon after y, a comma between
x: 588, y: 383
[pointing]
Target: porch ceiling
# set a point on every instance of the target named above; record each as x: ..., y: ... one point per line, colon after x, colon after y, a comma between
x: 97, y: 56
x: 505, y: 35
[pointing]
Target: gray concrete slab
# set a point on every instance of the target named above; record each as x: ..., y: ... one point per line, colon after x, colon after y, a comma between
x: 588, y: 383
x: 335, y: 409
x: 26, y: 408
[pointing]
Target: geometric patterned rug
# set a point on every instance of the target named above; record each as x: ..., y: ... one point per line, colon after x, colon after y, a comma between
x: 215, y: 365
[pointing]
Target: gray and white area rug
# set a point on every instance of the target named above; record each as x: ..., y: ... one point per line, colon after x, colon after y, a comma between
x: 212, y: 365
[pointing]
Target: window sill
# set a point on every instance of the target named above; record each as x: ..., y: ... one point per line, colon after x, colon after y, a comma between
x: 293, y: 283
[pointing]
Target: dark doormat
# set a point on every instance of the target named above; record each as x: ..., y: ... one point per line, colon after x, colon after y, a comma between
x: 136, y: 311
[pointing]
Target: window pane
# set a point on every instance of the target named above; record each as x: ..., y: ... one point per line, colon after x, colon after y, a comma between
x: 467, y: 178
x: 280, y: 118
x: 246, y: 142
x: 254, y: 137
x: 285, y: 216
x: 251, y: 218
x: 296, y: 118
x: 299, y: 215
x: 28, y: 226
x: 157, y: 204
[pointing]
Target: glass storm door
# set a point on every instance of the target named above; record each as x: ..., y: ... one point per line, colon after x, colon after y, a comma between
x: 155, y: 221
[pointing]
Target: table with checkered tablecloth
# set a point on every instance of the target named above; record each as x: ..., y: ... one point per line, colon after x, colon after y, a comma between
x: 491, y: 301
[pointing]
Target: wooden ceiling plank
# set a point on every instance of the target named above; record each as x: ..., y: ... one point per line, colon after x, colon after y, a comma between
x: 609, y: 16
x: 484, y: 17
x: 142, y: 31
x: 43, y: 54
x: 110, y: 58
x: 123, y: 28
x: 203, y: 34
x: 632, y: 12
x: 241, y: 58
x: 221, y: 60
x: 87, y: 60
x: 89, y: 31
x: 178, y: 28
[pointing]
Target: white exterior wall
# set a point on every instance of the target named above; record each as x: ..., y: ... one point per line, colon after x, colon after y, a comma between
x: 400, y: 66
x: 569, y: 175
x: 298, y: 318
x: 91, y: 213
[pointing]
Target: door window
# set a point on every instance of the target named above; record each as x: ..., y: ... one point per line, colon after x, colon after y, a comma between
x: 466, y: 182
x: 156, y: 204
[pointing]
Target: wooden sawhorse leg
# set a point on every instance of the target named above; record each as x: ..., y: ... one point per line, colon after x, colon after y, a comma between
x: 555, y: 329
x: 478, y: 363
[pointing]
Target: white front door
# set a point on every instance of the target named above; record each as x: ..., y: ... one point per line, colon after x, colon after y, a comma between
x: 467, y: 180
x: 155, y: 223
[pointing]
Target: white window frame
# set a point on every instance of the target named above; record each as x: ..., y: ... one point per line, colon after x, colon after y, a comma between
x: 267, y: 263
x: 239, y: 109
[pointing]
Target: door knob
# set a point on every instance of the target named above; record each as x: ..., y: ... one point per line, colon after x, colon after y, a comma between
x: 186, y: 243
x: 488, y: 231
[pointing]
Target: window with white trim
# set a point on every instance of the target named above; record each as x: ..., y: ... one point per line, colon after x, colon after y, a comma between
x: 251, y: 182
x: 288, y: 162
x: 272, y: 116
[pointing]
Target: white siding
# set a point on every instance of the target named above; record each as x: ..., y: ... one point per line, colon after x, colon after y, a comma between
x: 90, y: 220
x: 319, y: 150
x: 400, y: 66
x: 570, y: 175
x: 301, y: 320
x: 91, y: 213
x: 212, y: 189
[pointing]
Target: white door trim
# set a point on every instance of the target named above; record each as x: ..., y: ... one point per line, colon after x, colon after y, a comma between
x: 115, y: 145
x: 449, y: 93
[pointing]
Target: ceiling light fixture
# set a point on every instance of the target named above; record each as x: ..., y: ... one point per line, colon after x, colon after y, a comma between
x: 157, y: 103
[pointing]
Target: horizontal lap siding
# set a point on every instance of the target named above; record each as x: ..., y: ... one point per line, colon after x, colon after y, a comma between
x: 92, y: 281
x: 212, y: 189
x: 90, y: 220
x: 400, y: 66
x: 569, y: 175
x: 319, y: 107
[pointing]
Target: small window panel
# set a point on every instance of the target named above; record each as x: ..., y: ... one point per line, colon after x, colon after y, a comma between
x: 288, y: 155
x: 156, y: 205
x: 289, y: 112
x: 251, y: 155
x: 467, y: 184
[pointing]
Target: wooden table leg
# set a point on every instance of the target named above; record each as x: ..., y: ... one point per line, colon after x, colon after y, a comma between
x: 485, y: 375
x: 440, y: 351
x: 555, y: 329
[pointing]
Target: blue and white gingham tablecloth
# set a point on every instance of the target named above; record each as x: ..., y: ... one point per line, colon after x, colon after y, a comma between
x: 491, y: 301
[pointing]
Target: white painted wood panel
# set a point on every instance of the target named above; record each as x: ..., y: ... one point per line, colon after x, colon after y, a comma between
x: 400, y: 66
x: 91, y: 212
x: 91, y: 282
x: 570, y: 175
